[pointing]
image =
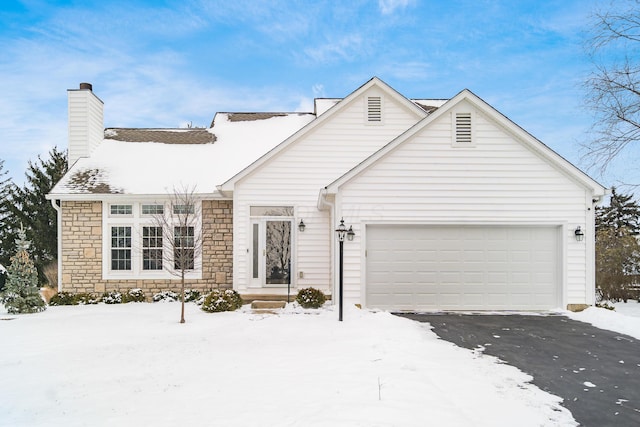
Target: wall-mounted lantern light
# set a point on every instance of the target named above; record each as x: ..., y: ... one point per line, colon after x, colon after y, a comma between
x: 301, y: 226
x: 579, y: 234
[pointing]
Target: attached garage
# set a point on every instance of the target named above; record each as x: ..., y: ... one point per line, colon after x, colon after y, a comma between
x: 463, y: 267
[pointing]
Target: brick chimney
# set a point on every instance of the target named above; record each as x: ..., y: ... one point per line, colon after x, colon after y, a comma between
x: 86, y: 122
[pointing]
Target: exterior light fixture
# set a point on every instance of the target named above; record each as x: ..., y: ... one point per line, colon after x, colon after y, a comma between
x: 301, y: 226
x: 579, y: 234
x: 350, y: 234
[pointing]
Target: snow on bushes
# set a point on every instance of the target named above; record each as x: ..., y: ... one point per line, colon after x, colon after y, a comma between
x: 69, y: 298
x: 222, y: 300
x: 112, y: 297
x: 166, y: 296
x: 310, y: 298
x: 134, y: 295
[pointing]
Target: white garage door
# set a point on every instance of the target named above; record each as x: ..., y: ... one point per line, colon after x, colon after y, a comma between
x: 414, y: 267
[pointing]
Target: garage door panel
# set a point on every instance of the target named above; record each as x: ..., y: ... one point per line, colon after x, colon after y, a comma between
x: 462, y: 267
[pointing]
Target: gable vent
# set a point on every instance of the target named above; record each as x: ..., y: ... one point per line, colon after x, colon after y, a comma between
x: 463, y: 128
x: 374, y: 109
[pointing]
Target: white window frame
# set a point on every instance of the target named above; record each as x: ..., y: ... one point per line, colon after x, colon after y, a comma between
x: 137, y: 221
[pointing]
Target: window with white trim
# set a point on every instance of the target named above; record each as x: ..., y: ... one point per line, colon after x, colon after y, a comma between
x: 152, y: 248
x: 121, y: 248
x: 153, y: 209
x: 184, y: 247
x: 138, y: 237
x: 183, y: 209
x: 121, y: 209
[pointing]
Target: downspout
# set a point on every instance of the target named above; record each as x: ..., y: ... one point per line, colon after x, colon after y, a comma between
x: 324, y: 204
x: 58, y: 209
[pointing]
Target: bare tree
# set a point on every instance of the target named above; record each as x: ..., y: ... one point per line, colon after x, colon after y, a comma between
x: 613, y: 88
x: 175, y: 240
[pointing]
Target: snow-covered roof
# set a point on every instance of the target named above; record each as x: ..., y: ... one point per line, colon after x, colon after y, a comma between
x: 155, y: 161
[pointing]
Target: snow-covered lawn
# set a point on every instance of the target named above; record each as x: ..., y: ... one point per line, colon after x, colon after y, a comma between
x: 625, y: 319
x: 134, y: 364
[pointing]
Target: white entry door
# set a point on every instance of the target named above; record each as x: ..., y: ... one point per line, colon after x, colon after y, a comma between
x: 271, y: 252
x: 462, y: 267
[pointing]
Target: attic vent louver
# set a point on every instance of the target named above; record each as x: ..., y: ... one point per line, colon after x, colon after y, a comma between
x: 374, y: 109
x: 463, y: 128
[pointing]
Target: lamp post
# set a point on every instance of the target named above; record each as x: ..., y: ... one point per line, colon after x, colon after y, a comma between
x: 342, y: 232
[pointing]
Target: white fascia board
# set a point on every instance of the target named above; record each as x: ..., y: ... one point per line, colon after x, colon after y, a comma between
x: 521, y: 135
x: 420, y: 113
x: 132, y: 197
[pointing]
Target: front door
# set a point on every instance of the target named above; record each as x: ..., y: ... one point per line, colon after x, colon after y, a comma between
x: 277, y: 252
x: 271, y: 248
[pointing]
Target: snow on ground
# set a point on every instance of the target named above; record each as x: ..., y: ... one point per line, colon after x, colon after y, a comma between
x: 134, y: 364
x: 625, y: 319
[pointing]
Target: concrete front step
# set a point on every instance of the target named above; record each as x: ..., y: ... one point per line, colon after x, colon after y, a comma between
x: 267, y: 305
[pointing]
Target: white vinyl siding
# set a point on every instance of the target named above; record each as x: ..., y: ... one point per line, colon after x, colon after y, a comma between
x: 425, y: 180
x: 295, y: 176
x: 86, y: 129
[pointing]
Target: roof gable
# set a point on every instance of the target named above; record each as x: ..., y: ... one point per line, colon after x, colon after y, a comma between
x: 331, y: 112
x: 519, y: 133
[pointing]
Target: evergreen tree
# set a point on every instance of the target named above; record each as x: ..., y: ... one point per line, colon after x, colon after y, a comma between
x: 6, y: 236
x: 617, y: 247
x: 30, y: 207
x: 21, y: 294
x: 622, y: 215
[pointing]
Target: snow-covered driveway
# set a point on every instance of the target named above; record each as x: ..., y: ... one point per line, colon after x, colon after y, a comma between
x: 134, y: 364
x: 596, y: 371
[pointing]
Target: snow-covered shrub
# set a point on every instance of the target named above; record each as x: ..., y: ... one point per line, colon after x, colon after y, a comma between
x: 69, y: 298
x: 166, y: 296
x: 222, y: 300
x: 134, y: 295
x: 310, y: 298
x: 191, y: 295
x: 605, y: 304
x: 64, y: 298
x: 86, y: 299
x: 112, y: 297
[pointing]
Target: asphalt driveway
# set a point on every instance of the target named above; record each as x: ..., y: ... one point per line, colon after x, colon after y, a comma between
x: 596, y: 372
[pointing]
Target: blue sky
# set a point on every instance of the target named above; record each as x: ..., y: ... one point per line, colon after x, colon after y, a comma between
x: 169, y: 63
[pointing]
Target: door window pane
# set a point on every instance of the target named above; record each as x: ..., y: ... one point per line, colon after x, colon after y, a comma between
x: 278, y: 252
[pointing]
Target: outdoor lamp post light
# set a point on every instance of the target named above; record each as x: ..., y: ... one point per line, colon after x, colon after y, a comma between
x: 579, y: 234
x: 350, y: 234
x: 301, y: 226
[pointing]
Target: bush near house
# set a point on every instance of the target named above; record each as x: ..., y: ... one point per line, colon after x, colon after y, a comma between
x: 222, y: 300
x: 69, y: 298
x: 310, y: 298
x: 134, y: 295
x: 165, y: 296
x: 112, y: 297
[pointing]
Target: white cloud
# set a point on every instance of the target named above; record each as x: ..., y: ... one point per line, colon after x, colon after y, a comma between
x: 387, y: 7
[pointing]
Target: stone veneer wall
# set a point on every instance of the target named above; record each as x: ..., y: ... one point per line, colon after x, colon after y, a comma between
x: 82, y: 251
